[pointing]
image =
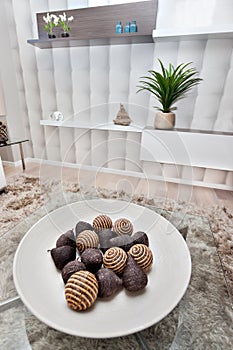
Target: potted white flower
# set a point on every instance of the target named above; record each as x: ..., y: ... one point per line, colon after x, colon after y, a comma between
x: 64, y: 23
x: 51, y: 21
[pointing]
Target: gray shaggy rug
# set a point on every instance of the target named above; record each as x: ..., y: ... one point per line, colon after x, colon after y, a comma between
x: 25, y: 194
x: 203, y: 318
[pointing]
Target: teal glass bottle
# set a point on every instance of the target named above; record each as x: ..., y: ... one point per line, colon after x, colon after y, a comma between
x: 118, y: 27
x: 133, y: 27
x: 127, y: 27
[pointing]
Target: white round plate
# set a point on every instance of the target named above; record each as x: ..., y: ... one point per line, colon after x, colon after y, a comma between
x: 40, y: 286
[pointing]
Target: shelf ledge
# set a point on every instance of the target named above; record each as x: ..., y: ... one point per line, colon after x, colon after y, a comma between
x: 207, y: 32
x: 100, y: 126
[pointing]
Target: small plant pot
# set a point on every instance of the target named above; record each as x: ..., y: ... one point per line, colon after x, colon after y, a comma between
x: 65, y: 35
x: 51, y: 36
x: 164, y: 120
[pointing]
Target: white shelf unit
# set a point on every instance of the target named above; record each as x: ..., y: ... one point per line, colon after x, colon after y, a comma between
x: 194, y: 33
x: 207, y: 150
x: 99, y: 126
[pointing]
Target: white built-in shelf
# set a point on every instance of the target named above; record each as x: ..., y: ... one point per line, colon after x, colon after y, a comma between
x: 194, y: 33
x: 207, y: 149
x: 100, y: 126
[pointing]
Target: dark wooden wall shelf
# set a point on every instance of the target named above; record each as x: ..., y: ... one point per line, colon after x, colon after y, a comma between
x: 96, y: 26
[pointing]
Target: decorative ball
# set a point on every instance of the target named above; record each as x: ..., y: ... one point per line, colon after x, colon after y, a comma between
x: 87, y: 239
x: 115, y: 259
x: 81, y: 290
x: 92, y: 258
x: 142, y: 255
x: 102, y: 222
x: 123, y: 227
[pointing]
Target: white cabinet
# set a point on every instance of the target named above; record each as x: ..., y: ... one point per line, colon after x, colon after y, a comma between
x: 187, y: 147
x: 2, y: 176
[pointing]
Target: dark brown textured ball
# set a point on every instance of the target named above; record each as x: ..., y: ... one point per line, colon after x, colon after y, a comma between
x: 92, y: 258
x: 125, y: 242
x: 82, y: 226
x: 133, y: 277
x: 109, y: 283
x: 104, y: 239
x: 140, y: 237
x: 70, y: 268
x: 62, y: 255
x: 66, y: 239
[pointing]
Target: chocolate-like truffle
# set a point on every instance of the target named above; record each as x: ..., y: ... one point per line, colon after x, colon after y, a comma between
x: 87, y: 239
x: 82, y: 226
x: 115, y: 259
x: 140, y: 237
x: 134, y: 278
x: 125, y: 242
x: 109, y: 283
x: 102, y: 222
x: 93, y: 259
x: 62, y: 255
x: 81, y: 290
x: 70, y: 268
x: 142, y: 255
x: 66, y: 239
x: 104, y: 239
x: 123, y: 227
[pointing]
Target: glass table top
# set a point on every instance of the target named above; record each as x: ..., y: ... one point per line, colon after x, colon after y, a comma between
x: 201, y: 320
x: 12, y: 141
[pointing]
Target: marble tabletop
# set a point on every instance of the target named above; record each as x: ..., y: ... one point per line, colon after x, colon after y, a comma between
x: 202, y: 319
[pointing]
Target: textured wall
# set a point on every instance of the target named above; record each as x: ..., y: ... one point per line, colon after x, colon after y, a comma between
x: 89, y: 83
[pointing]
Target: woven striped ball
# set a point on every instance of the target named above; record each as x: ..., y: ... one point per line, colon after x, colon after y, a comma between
x: 102, y: 222
x: 87, y: 239
x: 81, y: 290
x: 142, y: 255
x: 115, y: 259
x: 123, y: 227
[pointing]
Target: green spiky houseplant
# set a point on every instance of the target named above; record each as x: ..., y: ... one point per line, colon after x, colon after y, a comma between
x: 169, y: 86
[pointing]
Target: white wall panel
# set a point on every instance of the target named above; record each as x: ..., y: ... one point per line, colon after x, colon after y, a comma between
x: 67, y: 145
x: 52, y: 143
x: 63, y: 81
x: 224, y: 119
x: 119, y: 70
x: 99, y: 150
x: 132, y: 152
x: 213, y: 176
x: 116, y: 150
x: 99, y: 83
x: 82, y: 139
x: 229, y: 178
x: 139, y: 53
x: 214, y: 72
x: 80, y: 65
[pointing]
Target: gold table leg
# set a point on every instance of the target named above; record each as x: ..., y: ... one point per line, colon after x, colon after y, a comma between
x: 22, y: 155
